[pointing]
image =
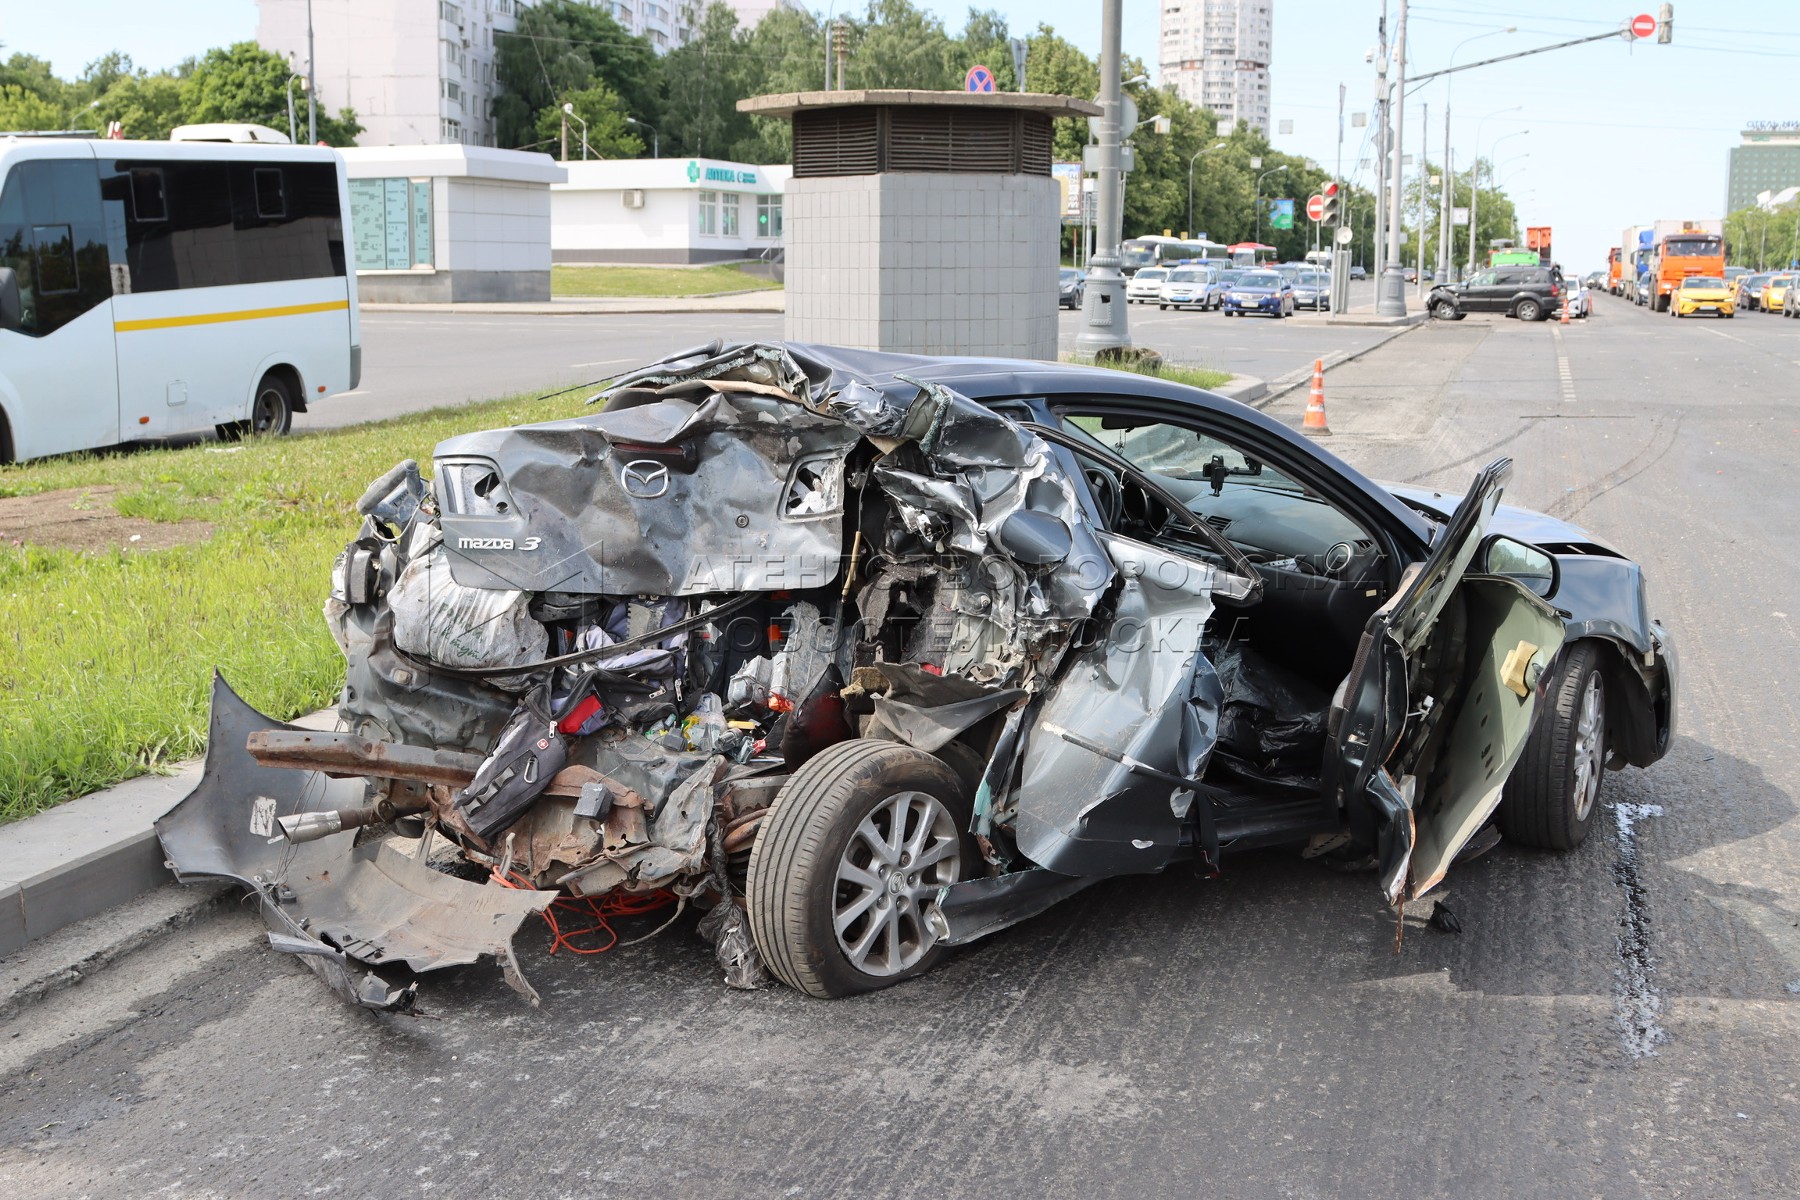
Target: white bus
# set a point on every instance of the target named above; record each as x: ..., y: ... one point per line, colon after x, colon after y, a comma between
x: 149, y: 289
x: 1163, y: 251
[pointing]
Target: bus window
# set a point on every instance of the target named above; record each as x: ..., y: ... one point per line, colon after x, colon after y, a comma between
x: 270, y: 203
x: 53, y: 237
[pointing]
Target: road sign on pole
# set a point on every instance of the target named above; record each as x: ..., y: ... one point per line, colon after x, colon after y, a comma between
x: 1315, y: 207
x: 979, y: 79
x: 1643, y: 26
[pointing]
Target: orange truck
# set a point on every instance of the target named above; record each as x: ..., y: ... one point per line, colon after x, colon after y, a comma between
x: 1613, y: 270
x: 1680, y: 249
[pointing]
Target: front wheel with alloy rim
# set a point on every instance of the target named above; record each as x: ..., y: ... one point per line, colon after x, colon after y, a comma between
x: 1550, y: 799
x: 1443, y: 310
x: 846, y: 867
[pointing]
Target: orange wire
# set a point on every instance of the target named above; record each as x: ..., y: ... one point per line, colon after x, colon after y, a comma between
x: 614, y: 904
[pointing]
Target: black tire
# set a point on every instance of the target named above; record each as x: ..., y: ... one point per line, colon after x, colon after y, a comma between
x: 1444, y: 310
x: 1163, y: 307
x: 271, y: 412
x: 1550, y: 800
x: 1529, y: 310
x: 795, y: 887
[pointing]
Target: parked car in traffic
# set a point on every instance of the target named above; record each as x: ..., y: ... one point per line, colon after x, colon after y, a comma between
x: 1576, y: 298
x: 795, y: 703
x: 1774, y: 292
x: 1260, y: 291
x: 1528, y: 293
x: 1747, y: 291
x: 1733, y: 274
x: 1146, y: 286
x: 1358, y: 272
x: 1702, y: 294
x: 1790, y: 302
x: 1069, y: 283
x: 1186, y: 287
x: 1312, y: 289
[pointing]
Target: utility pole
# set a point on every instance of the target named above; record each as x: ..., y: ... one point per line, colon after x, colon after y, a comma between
x: 1424, y: 125
x: 841, y: 40
x: 312, y: 84
x: 1378, y: 227
x: 1104, y: 327
x: 1446, y: 202
x: 1391, y: 296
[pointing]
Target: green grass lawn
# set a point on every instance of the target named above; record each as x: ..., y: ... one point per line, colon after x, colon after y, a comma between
x: 107, y: 658
x: 654, y: 281
x: 1200, y: 377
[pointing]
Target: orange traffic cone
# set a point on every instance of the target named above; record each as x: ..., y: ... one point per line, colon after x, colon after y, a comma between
x: 1565, y: 307
x: 1314, y: 423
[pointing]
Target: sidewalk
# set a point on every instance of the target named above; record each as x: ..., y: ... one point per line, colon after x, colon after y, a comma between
x: 757, y: 300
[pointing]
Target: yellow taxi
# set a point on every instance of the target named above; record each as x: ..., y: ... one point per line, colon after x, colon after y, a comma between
x: 1773, y: 291
x: 1703, y: 293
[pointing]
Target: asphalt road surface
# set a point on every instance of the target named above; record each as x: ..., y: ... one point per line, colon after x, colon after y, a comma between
x: 417, y: 361
x: 1621, y: 1021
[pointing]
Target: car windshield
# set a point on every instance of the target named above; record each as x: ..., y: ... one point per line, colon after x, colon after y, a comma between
x: 1152, y: 274
x: 1070, y: 275
x: 1259, y: 279
x: 1780, y: 280
x: 1187, y: 275
x: 1696, y: 282
x: 1310, y: 279
x: 1756, y: 281
x: 1691, y: 247
x: 1230, y: 277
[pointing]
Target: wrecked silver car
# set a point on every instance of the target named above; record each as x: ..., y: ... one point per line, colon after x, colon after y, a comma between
x: 872, y: 655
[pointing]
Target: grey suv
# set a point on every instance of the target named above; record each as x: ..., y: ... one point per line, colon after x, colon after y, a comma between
x: 1528, y: 293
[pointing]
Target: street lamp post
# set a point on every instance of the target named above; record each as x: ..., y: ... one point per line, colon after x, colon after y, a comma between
x: 312, y: 84
x: 655, y: 138
x: 1105, y: 328
x: 1492, y: 175
x: 1257, y: 200
x: 1191, y: 161
x: 293, y: 125
x: 569, y: 111
x: 1446, y: 226
x: 1475, y: 176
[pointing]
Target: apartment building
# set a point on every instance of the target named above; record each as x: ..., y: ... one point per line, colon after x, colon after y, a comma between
x: 1215, y: 53
x: 417, y: 72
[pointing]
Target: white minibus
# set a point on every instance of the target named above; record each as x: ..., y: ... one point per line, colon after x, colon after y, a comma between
x: 150, y: 289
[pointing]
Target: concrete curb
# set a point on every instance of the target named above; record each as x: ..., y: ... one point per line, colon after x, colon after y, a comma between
x: 758, y: 300
x: 1245, y: 389
x: 92, y: 853
x: 1293, y: 379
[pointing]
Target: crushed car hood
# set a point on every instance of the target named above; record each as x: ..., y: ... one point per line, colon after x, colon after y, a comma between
x: 1522, y: 524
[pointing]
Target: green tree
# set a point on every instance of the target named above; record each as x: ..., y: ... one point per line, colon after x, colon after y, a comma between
x: 34, y: 75
x: 895, y: 45
x: 706, y: 77
x: 1763, y: 238
x: 247, y: 83
x: 784, y: 52
x: 608, y: 136
x: 148, y: 106
x: 25, y: 111
x: 562, y: 47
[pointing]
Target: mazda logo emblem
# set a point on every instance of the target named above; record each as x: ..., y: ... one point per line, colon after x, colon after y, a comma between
x: 644, y: 479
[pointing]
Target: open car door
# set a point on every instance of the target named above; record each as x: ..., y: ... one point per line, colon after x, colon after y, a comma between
x: 1438, y: 704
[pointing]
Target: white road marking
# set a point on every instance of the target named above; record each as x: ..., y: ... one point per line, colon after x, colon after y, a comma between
x: 604, y: 362
x: 1565, y: 378
x: 1732, y: 336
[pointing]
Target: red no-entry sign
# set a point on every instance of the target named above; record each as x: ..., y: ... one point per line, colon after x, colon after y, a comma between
x: 1643, y: 25
x: 1315, y: 207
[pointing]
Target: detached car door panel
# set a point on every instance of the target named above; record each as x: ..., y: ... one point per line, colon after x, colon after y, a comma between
x: 1440, y: 700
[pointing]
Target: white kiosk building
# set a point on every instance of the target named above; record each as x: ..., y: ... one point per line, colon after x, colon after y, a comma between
x: 667, y: 210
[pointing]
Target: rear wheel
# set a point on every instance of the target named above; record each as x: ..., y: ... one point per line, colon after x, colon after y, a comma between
x: 1529, y: 310
x: 845, y: 869
x: 1550, y: 800
x: 271, y: 412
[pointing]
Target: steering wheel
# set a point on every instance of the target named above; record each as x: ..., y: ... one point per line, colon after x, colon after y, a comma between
x: 1107, y: 495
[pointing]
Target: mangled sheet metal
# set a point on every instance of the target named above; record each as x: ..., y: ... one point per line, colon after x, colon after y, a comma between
x: 330, y: 901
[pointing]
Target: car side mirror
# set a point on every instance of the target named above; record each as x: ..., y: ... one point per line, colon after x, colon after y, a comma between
x: 1036, y: 539
x: 1534, y: 568
x: 12, y: 305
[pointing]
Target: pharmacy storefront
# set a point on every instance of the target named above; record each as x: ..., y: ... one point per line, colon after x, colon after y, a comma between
x: 669, y: 210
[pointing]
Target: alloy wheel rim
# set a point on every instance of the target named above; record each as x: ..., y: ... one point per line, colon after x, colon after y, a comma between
x: 887, y: 880
x: 1590, y: 738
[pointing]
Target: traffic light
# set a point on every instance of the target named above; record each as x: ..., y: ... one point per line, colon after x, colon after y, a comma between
x: 1665, y: 24
x: 1330, y: 215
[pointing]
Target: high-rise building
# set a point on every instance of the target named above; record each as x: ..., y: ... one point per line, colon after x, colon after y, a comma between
x: 417, y: 72
x: 1215, y: 53
x: 1768, y: 161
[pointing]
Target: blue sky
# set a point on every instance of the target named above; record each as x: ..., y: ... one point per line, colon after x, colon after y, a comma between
x: 1618, y: 134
